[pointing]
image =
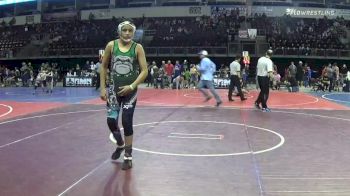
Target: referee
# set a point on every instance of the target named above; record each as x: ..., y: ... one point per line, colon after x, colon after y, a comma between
x: 264, y: 73
x: 235, y: 76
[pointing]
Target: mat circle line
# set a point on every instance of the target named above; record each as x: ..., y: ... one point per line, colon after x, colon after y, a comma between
x: 189, y: 95
x: 330, y: 99
x: 271, y: 105
x: 282, y: 140
x: 10, y: 109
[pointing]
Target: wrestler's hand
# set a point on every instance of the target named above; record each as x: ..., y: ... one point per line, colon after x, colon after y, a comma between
x: 103, y: 94
x: 124, y: 90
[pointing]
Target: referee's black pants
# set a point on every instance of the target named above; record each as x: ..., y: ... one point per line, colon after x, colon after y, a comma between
x: 331, y: 84
x: 264, y: 91
x: 234, y: 81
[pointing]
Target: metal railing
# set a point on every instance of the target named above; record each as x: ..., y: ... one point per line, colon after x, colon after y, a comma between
x: 255, y: 50
x: 313, y: 52
x: 185, y: 51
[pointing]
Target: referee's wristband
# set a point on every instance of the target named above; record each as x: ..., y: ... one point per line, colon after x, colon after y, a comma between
x: 132, y: 88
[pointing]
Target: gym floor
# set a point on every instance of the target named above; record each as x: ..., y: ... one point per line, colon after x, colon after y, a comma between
x: 58, y: 144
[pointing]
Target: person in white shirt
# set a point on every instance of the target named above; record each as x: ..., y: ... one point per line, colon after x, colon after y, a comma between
x: 235, y: 77
x: 264, y: 72
x: 49, y: 80
x: 92, y: 66
x: 276, y: 81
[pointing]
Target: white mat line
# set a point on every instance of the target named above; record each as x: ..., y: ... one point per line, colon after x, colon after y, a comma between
x: 82, y: 178
x: 326, y: 191
x: 197, y: 134
x: 189, y: 137
x: 40, y: 133
x: 313, y: 178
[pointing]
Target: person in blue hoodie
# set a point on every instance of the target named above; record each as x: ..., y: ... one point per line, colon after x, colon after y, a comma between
x: 207, y: 69
x: 177, y: 74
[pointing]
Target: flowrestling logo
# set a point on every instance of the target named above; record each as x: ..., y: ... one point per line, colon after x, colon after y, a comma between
x: 310, y: 12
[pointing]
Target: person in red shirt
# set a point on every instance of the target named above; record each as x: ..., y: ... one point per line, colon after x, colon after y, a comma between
x: 169, y: 71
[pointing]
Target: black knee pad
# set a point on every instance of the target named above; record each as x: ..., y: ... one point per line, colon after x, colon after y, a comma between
x: 127, y: 118
x: 128, y: 132
x: 112, y: 124
x: 127, y: 125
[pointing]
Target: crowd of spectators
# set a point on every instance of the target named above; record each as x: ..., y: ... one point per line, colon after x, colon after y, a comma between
x: 303, y: 34
x: 13, y: 38
x: 216, y: 30
x: 27, y: 74
x: 72, y: 37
